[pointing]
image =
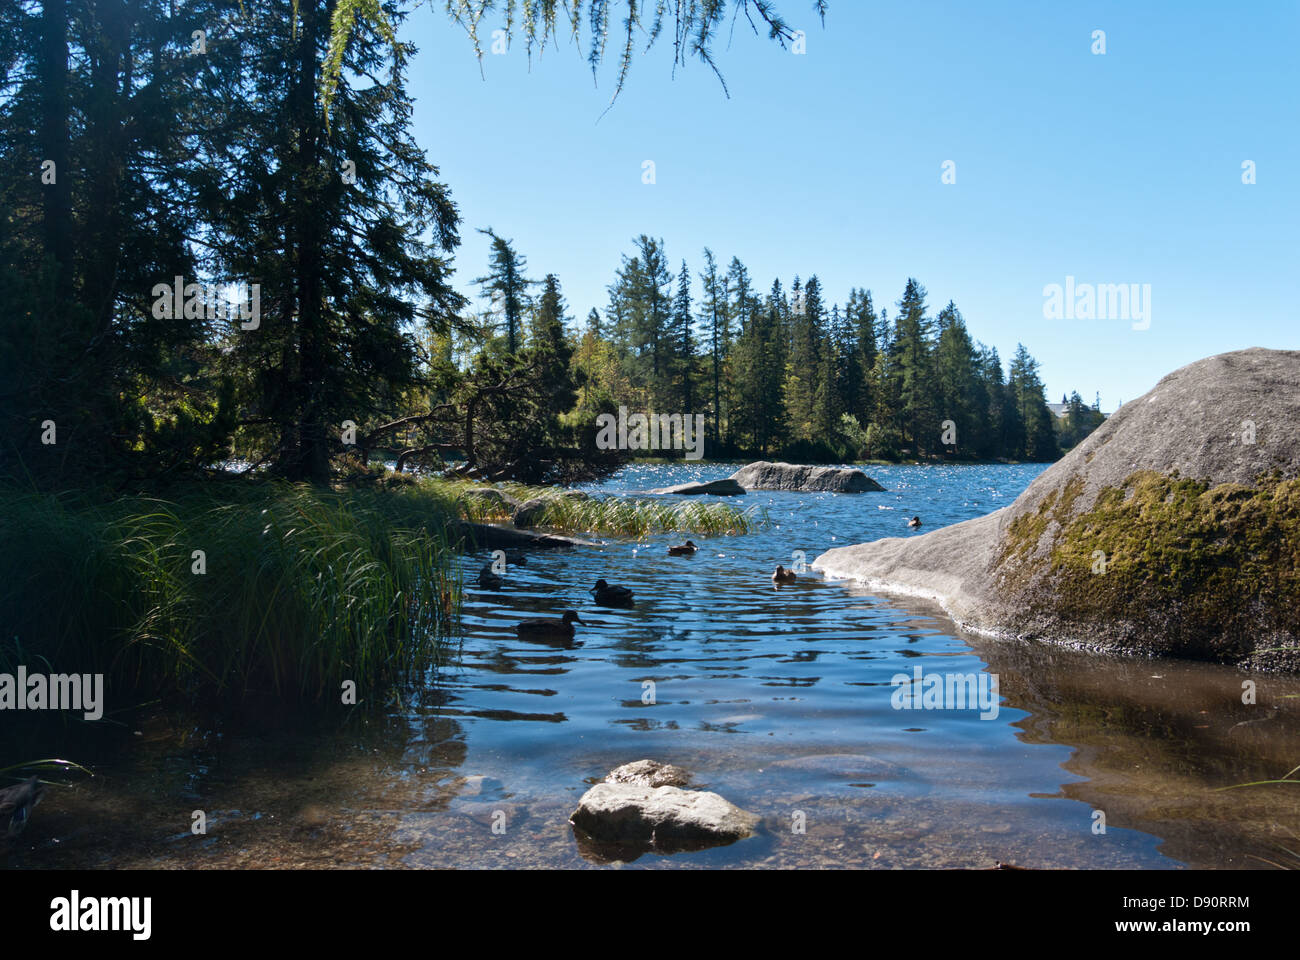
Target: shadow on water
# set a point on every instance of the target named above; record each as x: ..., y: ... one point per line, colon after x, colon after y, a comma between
x: 780, y: 700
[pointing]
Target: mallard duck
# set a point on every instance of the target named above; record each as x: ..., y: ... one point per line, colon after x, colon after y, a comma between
x: 16, y: 804
x: 914, y: 522
x: 682, y: 550
x: 549, y: 629
x: 611, y: 596
x: 782, y: 575
x: 487, y: 580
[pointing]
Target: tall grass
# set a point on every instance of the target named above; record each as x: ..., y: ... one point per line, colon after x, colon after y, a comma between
x: 303, y: 590
x: 618, y: 516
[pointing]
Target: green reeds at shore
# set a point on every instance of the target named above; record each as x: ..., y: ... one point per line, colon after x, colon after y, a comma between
x: 223, y: 590
x: 611, y: 516
x: 296, y: 590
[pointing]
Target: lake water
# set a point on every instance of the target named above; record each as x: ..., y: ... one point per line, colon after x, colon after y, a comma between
x: 481, y: 766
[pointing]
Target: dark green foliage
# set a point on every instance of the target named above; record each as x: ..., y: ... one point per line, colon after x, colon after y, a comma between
x: 786, y: 371
x: 300, y: 588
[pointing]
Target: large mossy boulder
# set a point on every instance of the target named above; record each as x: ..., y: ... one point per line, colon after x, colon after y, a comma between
x: 1174, y: 529
x: 765, y: 475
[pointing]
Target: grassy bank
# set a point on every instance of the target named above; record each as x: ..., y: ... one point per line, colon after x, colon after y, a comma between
x: 610, y: 516
x: 222, y: 590
x: 295, y: 591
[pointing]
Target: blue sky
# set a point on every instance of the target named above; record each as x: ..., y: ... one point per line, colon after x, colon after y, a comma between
x: 1117, y: 168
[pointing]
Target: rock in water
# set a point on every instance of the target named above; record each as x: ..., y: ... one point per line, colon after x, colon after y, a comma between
x: 625, y: 819
x: 764, y: 475
x: 727, y: 487
x: 490, y: 498
x: 649, y: 773
x: 1173, y: 529
x: 529, y: 512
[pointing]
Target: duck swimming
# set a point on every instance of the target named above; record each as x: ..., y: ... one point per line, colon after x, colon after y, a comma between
x: 549, y: 629
x: 782, y: 575
x: 608, y: 595
x: 16, y: 804
x: 488, y: 580
x: 914, y: 522
x: 683, y: 550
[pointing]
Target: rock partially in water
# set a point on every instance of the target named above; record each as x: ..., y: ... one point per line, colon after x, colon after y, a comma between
x: 765, y: 475
x: 727, y: 487
x: 529, y: 512
x: 490, y: 498
x: 620, y: 821
x: 649, y: 773
x: 1172, y: 530
x: 486, y: 536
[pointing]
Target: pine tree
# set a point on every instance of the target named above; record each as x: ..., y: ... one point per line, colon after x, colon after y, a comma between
x: 913, y: 369
x: 99, y: 187
x: 960, y: 396
x: 715, y: 318
x: 343, y: 229
x: 1039, y: 441
x: 683, y: 345
x: 506, y: 286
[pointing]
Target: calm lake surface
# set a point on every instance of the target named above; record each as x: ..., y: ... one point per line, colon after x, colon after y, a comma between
x: 749, y: 683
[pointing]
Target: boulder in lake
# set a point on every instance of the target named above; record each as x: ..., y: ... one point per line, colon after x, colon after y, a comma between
x: 1173, y: 529
x: 649, y: 773
x: 765, y: 475
x: 641, y: 807
x: 726, y: 487
x: 529, y: 512
x: 624, y: 820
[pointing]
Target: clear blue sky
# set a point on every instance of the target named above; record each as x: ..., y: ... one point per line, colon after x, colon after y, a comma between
x: 1121, y: 168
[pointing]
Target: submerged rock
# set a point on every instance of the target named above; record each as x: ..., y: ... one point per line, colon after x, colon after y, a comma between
x: 726, y: 487
x: 1173, y: 529
x: 649, y: 773
x: 628, y: 819
x: 640, y: 807
x: 765, y: 475
x: 844, y: 765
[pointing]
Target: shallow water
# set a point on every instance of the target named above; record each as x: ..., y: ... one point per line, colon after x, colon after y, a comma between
x: 481, y: 766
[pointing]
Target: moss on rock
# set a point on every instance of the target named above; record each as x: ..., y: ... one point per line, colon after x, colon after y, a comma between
x: 1213, y: 568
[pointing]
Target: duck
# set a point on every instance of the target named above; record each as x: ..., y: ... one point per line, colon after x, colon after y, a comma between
x: 487, y: 580
x: 541, y: 629
x: 608, y: 595
x: 782, y: 575
x: 683, y: 550
x: 914, y: 522
x: 16, y: 804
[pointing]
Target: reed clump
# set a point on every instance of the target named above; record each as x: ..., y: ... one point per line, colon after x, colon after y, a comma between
x: 270, y: 589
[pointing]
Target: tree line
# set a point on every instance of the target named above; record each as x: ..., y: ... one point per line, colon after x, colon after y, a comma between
x: 785, y: 373
x: 169, y: 152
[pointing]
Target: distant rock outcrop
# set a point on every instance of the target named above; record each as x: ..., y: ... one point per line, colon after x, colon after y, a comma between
x: 726, y: 487
x: 765, y: 475
x: 1174, y: 529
